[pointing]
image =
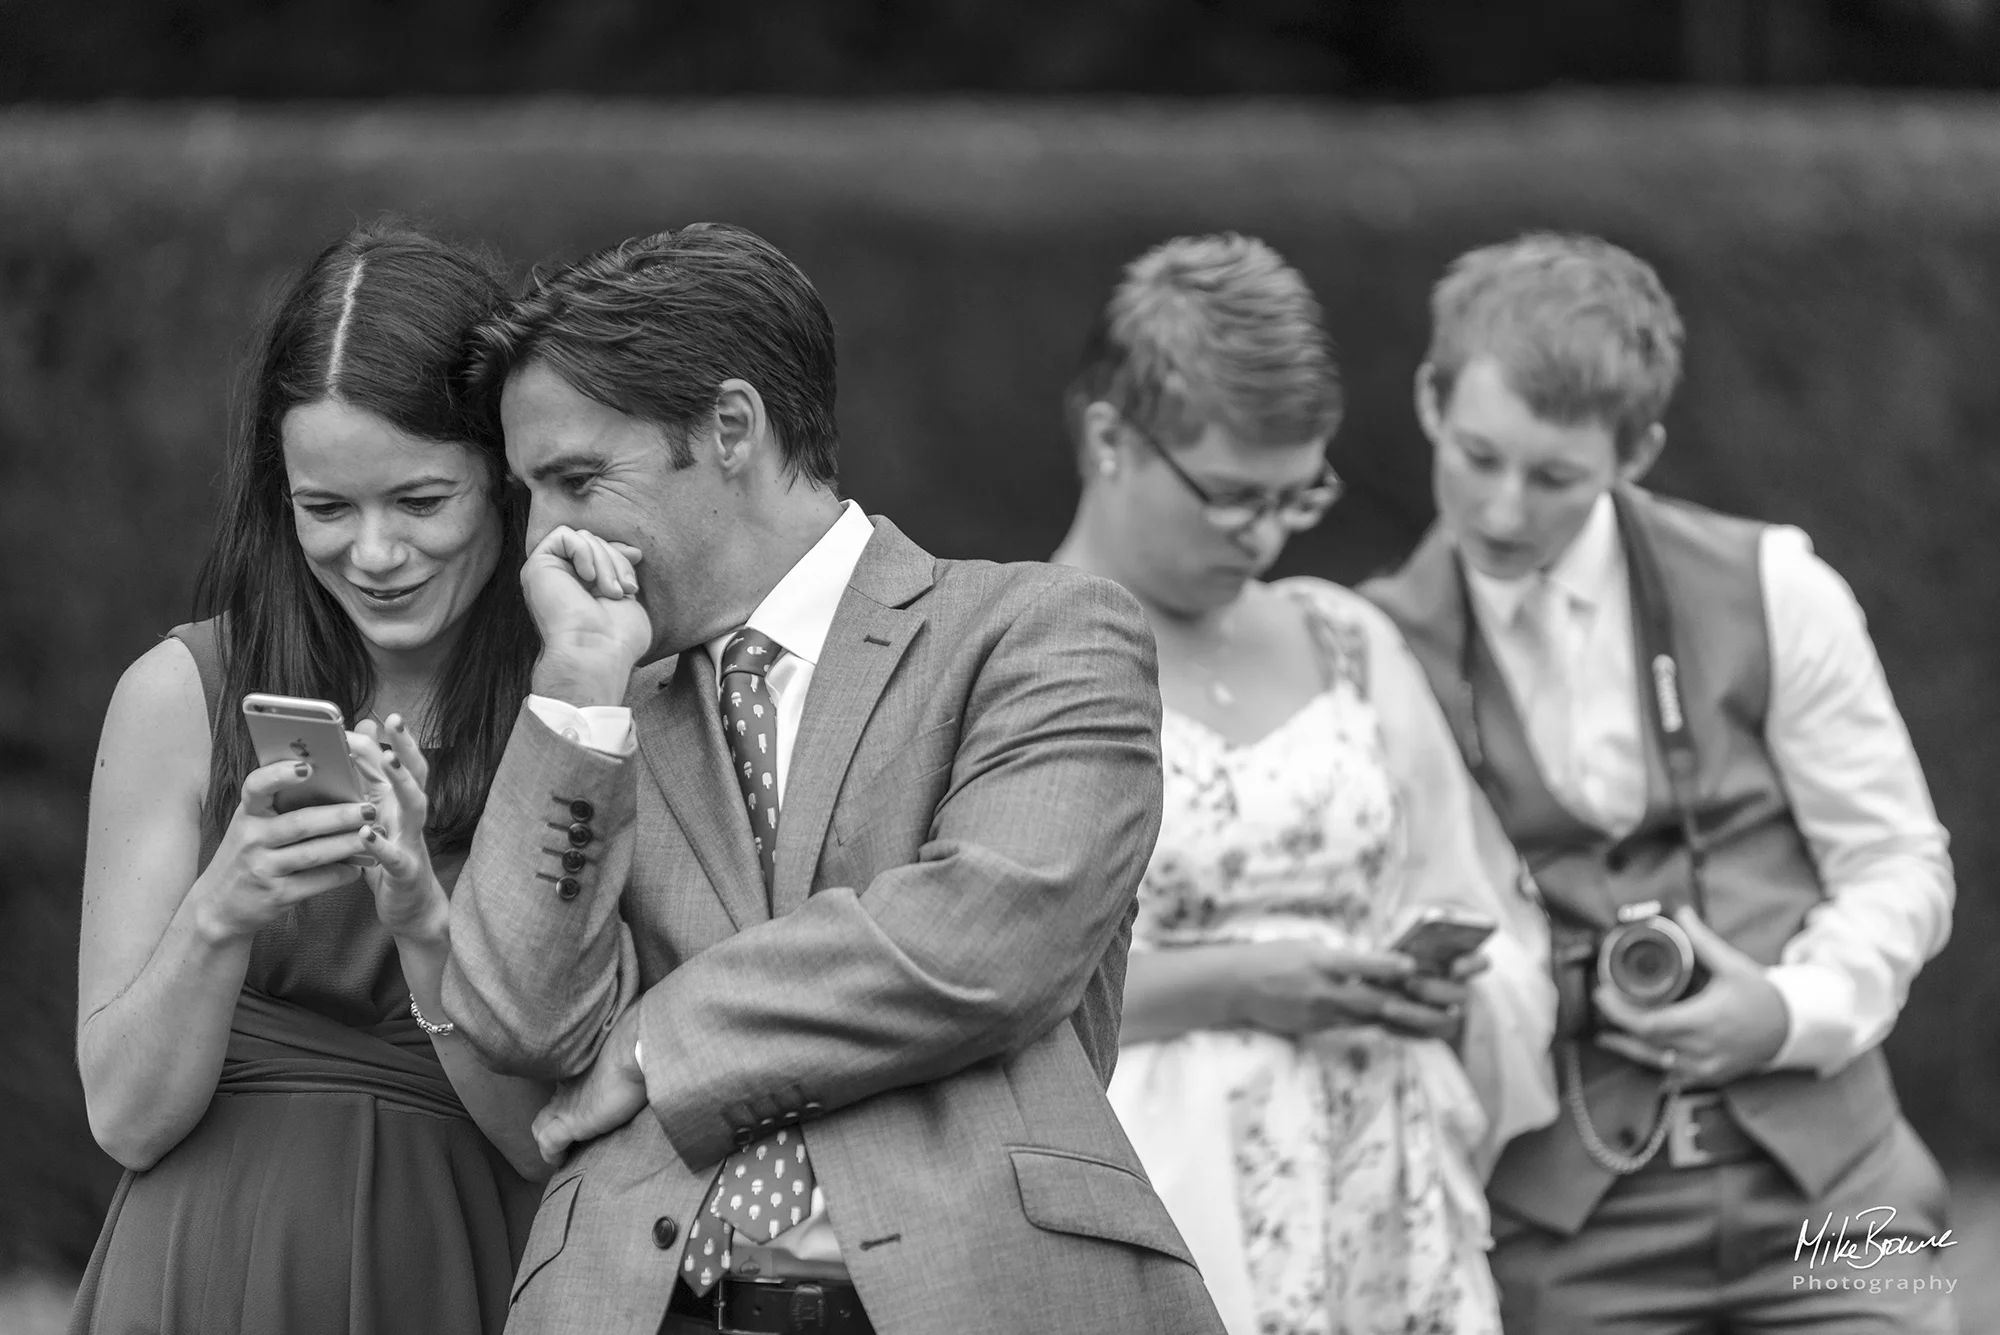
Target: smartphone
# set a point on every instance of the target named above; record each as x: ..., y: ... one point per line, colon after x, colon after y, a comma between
x: 286, y: 727
x: 1439, y: 934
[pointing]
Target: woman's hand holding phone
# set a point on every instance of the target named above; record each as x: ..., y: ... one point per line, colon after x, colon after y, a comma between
x: 270, y: 860
x: 1442, y: 997
x: 393, y: 771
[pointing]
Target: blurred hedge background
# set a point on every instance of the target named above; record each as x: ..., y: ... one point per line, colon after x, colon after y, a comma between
x: 1837, y: 259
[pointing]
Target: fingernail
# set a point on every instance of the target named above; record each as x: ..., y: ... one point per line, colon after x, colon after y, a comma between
x: 303, y: 769
x: 395, y: 763
x: 368, y: 811
x: 385, y: 746
x: 378, y: 831
x: 368, y: 834
x: 396, y: 722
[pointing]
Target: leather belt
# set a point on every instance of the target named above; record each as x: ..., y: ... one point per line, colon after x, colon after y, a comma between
x: 1701, y: 1133
x: 770, y: 1307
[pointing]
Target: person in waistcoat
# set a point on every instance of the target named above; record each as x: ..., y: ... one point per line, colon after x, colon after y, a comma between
x: 1683, y: 726
x: 821, y: 848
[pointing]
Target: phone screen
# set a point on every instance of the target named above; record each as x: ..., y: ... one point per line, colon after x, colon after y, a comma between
x: 1434, y: 944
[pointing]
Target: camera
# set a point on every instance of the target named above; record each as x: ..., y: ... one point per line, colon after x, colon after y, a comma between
x: 1647, y: 959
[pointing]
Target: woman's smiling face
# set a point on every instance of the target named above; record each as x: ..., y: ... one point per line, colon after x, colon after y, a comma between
x: 403, y: 532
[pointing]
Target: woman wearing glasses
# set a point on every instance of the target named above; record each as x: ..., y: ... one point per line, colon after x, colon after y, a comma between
x: 1317, y: 1116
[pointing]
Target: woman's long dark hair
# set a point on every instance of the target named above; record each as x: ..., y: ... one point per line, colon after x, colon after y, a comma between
x: 378, y: 322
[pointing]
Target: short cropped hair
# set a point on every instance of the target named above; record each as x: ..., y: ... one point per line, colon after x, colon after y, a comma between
x: 653, y: 326
x: 1211, y: 331
x: 1583, y: 330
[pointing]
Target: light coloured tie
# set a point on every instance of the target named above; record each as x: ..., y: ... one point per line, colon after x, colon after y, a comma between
x: 1540, y: 627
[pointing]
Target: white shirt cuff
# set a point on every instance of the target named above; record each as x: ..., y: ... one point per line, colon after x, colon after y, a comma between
x: 606, y: 728
x: 1819, y: 1006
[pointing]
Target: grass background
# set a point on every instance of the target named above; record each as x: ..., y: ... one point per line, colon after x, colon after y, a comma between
x: 1837, y: 261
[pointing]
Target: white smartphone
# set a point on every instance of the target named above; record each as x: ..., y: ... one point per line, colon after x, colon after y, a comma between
x: 1439, y: 934
x: 287, y: 727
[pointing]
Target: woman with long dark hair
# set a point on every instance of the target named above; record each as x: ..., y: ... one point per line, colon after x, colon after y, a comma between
x: 310, y: 1148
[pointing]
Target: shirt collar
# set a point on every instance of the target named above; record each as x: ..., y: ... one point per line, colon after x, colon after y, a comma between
x: 1584, y: 571
x: 798, y: 611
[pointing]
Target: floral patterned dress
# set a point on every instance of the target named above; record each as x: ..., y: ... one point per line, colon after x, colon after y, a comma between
x: 1327, y: 1185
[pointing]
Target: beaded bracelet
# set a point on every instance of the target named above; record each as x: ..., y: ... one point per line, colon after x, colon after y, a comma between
x: 434, y: 1030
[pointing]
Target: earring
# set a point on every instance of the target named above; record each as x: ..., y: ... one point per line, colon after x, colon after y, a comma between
x: 1106, y: 465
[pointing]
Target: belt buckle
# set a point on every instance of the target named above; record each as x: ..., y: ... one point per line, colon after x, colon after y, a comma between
x: 1684, y: 1129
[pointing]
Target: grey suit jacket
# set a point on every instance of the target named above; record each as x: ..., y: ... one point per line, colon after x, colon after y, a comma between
x: 932, y: 993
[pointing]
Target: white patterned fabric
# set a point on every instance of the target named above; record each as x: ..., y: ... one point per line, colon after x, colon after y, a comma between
x: 1331, y: 1184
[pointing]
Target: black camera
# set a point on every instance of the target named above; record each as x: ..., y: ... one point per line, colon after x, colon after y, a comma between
x: 1647, y: 959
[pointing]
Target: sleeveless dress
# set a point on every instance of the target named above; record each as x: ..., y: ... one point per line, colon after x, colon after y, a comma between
x: 1332, y: 1183
x: 336, y: 1185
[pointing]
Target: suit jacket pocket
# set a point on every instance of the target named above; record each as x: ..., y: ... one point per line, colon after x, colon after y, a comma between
x: 548, y: 1233
x: 887, y: 790
x: 1066, y: 1192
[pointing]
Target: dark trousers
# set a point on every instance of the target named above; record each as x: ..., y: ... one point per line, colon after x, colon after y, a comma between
x: 1704, y: 1251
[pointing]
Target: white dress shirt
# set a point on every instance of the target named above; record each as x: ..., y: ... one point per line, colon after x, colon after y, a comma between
x: 1834, y: 735
x: 797, y: 613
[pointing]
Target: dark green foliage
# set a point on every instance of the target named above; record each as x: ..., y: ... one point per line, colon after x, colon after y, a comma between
x: 1836, y: 263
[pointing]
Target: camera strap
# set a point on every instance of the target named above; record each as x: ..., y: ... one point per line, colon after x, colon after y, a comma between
x: 1663, y: 710
x: 1661, y: 706
x: 1653, y: 632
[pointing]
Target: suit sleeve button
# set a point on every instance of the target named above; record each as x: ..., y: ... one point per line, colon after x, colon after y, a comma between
x: 812, y: 1108
x: 744, y: 1135
x: 568, y: 887
x: 579, y: 834
x: 665, y: 1230
x: 573, y: 860
x: 581, y: 809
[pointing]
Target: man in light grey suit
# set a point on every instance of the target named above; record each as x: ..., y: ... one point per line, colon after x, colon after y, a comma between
x: 820, y: 847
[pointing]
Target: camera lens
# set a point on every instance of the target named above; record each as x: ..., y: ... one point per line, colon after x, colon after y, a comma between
x: 1651, y: 961
x: 1646, y: 962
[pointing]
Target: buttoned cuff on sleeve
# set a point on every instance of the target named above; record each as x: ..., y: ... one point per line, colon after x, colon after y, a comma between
x: 606, y: 728
x: 1819, y: 1008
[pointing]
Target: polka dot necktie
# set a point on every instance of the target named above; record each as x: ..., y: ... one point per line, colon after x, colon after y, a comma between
x: 766, y: 1188
x: 750, y: 726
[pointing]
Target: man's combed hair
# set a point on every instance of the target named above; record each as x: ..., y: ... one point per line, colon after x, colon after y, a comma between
x: 1583, y: 330
x: 1211, y: 331
x: 653, y: 326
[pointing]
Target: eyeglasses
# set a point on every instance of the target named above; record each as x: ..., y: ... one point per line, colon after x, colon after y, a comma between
x: 1297, y: 508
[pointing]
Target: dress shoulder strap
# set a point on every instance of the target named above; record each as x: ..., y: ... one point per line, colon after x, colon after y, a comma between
x: 1341, y: 641
x: 204, y: 644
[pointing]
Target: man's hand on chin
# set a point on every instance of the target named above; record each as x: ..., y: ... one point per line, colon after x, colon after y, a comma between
x: 583, y: 593
x: 604, y: 1098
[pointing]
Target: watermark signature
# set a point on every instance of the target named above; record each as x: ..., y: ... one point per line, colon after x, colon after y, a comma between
x: 1863, y: 1241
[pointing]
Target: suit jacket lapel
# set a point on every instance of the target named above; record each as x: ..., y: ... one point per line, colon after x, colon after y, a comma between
x: 870, y: 634
x: 681, y: 739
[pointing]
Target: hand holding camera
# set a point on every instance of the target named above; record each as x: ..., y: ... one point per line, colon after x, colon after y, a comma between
x: 1706, y: 1013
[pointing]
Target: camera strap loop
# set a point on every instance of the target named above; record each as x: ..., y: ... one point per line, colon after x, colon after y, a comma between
x: 1624, y: 1165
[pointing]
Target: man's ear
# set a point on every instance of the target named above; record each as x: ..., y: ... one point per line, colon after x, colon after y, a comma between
x: 740, y: 425
x: 1641, y: 457
x: 1430, y: 414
